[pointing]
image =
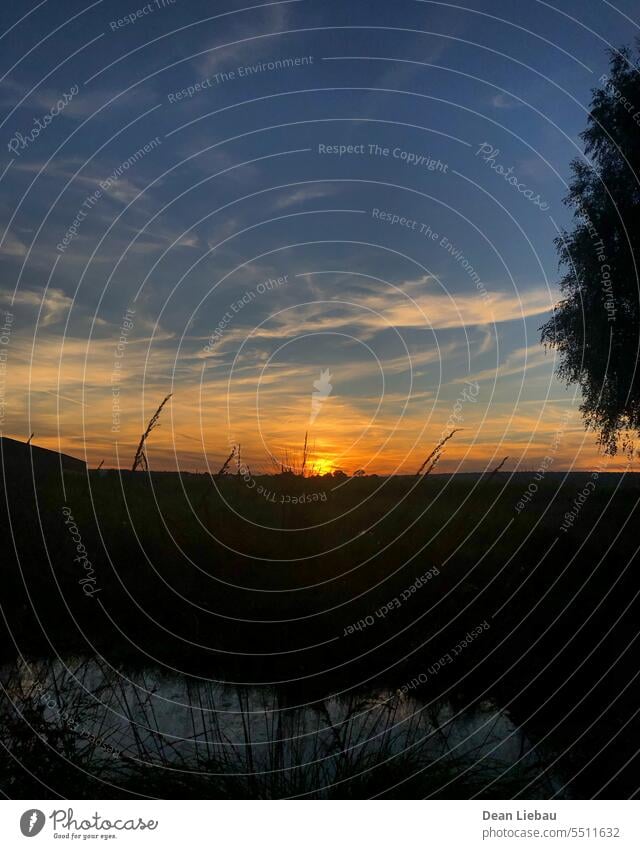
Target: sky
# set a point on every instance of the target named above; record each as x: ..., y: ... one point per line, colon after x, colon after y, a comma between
x: 297, y: 217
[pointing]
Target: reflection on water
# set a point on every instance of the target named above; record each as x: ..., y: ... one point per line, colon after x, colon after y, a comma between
x: 116, y: 721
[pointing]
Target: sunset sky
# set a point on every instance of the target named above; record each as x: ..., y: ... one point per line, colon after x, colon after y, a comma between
x: 220, y: 235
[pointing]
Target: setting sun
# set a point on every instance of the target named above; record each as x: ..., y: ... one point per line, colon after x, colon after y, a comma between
x: 322, y: 467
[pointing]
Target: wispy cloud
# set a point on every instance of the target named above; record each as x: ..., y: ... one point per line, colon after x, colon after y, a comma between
x: 504, y: 101
x: 304, y: 194
x: 272, y: 18
x: 13, y: 246
x: 54, y: 304
x: 518, y: 362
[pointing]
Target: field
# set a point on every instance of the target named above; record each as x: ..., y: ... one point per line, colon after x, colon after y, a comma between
x: 444, y: 590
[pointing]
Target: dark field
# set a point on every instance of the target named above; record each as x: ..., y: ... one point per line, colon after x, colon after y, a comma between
x: 442, y: 588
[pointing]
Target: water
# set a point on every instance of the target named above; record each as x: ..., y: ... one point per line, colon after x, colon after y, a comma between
x: 117, y: 720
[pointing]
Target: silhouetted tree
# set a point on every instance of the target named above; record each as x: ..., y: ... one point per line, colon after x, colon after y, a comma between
x: 595, y: 328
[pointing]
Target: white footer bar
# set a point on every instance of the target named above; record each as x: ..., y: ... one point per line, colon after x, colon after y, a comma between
x: 320, y: 825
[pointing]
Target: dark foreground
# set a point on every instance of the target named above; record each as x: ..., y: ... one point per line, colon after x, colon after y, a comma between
x: 444, y: 594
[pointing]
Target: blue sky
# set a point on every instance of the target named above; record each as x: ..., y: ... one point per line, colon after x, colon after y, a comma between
x: 213, y: 192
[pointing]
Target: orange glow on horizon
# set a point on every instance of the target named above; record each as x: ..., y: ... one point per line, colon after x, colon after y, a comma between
x: 76, y: 411
x: 322, y: 467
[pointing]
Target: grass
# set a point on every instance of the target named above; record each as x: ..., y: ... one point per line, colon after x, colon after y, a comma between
x: 239, y: 743
x: 256, y: 587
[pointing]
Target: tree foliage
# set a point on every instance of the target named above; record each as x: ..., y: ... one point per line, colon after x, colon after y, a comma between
x: 595, y: 327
